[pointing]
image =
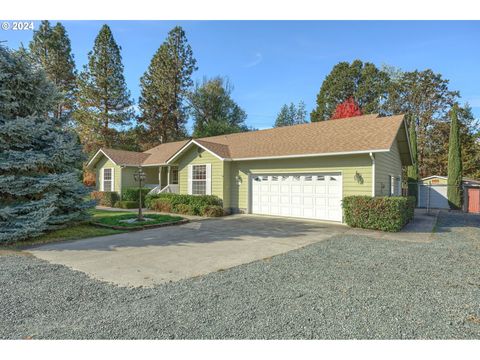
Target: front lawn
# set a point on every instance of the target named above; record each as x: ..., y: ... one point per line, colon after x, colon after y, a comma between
x: 88, y: 230
x: 119, y: 219
x: 80, y: 231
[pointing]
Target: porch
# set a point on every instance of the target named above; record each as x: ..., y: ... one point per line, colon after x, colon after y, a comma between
x: 161, y: 179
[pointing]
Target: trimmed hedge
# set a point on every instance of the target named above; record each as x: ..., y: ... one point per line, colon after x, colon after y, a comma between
x: 105, y: 198
x: 212, y: 211
x: 124, y: 204
x: 183, y: 204
x: 131, y: 194
x: 378, y: 213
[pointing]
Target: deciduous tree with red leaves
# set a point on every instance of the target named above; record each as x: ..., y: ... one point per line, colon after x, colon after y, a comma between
x: 346, y: 109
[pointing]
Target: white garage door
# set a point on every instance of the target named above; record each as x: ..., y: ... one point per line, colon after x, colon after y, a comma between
x: 433, y: 196
x: 313, y: 196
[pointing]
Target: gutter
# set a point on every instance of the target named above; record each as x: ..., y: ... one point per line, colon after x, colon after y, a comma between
x: 373, y: 173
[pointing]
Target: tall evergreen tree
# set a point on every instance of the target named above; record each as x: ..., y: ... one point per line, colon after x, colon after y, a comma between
x: 164, y: 89
x: 291, y: 115
x: 40, y: 158
x: 412, y: 171
x: 51, y: 48
x: 103, y: 98
x: 437, y: 143
x: 363, y: 82
x: 454, y: 193
x: 214, y: 111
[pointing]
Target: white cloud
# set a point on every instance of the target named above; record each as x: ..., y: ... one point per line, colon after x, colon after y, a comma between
x: 258, y: 57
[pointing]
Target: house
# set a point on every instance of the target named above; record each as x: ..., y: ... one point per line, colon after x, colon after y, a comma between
x: 432, y: 193
x: 299, y: 171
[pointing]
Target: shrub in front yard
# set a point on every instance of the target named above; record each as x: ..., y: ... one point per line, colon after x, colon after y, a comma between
x: 378, y: 213
x: 161, y: 205
x: 212, y: 211
x: 195, y: 202
x: 131, y: 194
x: 105, y: 198
x: 126, y: 204
x: 184, y: 209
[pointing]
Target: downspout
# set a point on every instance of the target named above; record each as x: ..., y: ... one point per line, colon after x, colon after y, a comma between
x: 373, y: 173
x: 120, y: 182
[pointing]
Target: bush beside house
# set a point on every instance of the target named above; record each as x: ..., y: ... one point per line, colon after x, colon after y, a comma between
x: 378, y: 213
x: 105, y: 198
x: 132, y: 194
x: 206, y: 205
x: 124, y: 204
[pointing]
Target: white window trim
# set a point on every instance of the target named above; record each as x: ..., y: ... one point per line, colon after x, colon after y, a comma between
x: 102, y: 185
x: 208, y: 178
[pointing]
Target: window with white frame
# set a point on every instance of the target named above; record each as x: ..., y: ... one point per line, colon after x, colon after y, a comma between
x: 199, y: 179
x: 174, y: 176
x: 107, y: 179
x: 392, y: 185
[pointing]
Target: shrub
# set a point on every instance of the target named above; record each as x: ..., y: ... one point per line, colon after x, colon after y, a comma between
x: 378, y: 213
x: 161, y: 205
x: 184, y: 209
x: 96, y: 195
x: 212, y: 211
x: 194, y: 201
x: 126, y: 204
x: 105, y: 198
x: 131, y: 194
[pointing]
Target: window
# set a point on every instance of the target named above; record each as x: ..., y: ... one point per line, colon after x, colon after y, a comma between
x: 321, y: 178
x: 107, y: 180
x: 274, y: 178
x: 264, y: 178
x: 296, y: 178
x: 199, y: 179
x: 391, y: 183
x: 285, y: 178
x: 174, y: 176
x: 308, y: 178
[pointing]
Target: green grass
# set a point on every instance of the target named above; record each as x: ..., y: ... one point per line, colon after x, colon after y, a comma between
x: 117, y: 219
x: 80, y: 231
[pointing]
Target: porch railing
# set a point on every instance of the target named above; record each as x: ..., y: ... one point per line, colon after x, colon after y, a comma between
x: 172, y: 188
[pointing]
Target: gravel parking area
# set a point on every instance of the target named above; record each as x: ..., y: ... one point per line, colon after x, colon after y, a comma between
x: 350, y: 286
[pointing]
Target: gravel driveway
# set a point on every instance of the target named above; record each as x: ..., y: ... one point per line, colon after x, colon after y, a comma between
x: 350, y: 286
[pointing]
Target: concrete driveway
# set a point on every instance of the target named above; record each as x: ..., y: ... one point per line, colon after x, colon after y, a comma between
x: 150, y: 257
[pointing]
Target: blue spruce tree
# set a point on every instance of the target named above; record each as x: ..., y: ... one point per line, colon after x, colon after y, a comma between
x: 40, y: 158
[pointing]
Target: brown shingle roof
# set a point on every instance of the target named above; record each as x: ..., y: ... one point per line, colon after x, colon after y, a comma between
x: 361, y: 133
x: 357, y: 134
x: 161, y: 153
x: 123, y: 157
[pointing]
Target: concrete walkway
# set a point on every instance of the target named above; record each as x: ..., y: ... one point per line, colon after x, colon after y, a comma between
x: 155, y: 256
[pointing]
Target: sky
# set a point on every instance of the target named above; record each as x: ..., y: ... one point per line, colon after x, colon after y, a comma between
x: 271, y: 63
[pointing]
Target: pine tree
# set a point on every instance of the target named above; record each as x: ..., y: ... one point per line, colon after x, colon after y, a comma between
x: 104, y: 100
x: 40, y: 158
x: 214, y: 111
x: 291, y: 115
x: 412, y: 171
x: 454, y: 162
x: 51, y: 48
x: 164, y: 89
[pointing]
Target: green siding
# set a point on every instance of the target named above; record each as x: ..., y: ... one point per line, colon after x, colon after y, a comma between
x: 347, y: 165
x: 386, y: 165
x: 104, y: 162
x: 192, y: 156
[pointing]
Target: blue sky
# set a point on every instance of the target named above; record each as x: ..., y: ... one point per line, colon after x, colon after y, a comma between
x: 275, y: 62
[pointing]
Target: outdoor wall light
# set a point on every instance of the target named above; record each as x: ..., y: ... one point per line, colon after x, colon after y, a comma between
x: 238, y: 178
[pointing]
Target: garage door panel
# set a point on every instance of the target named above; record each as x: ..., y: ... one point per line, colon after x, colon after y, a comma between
x: 305, y: 195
